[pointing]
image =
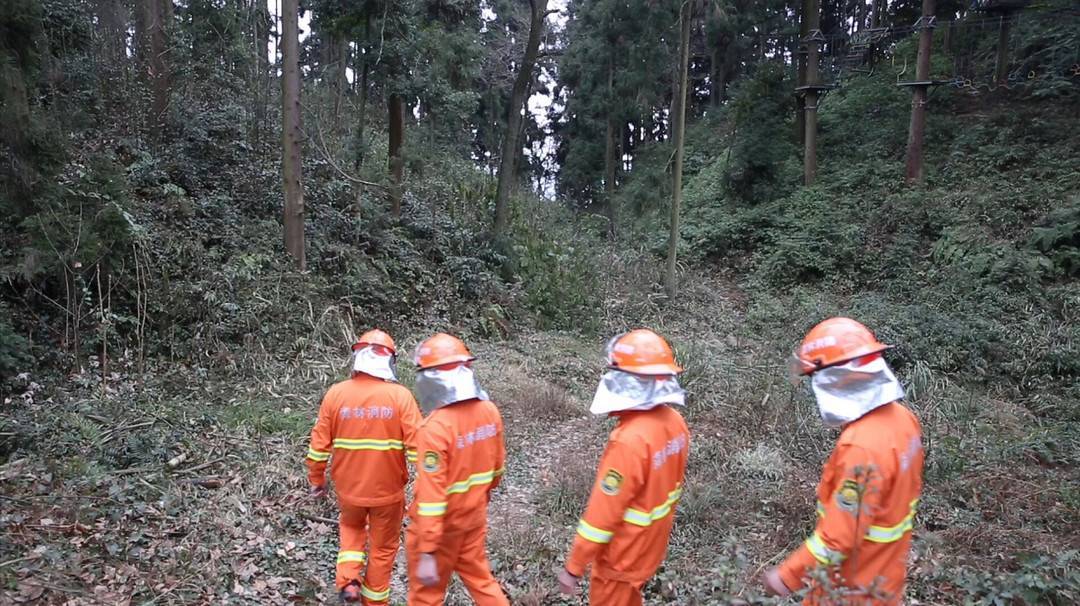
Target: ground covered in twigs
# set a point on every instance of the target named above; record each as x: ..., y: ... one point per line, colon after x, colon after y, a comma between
x: 187, y: 485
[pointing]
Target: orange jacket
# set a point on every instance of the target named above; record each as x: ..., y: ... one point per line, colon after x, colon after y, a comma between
x: 625, y: 529
x: 866, y: 503
x: 367, y: 424
x: 461, y: 460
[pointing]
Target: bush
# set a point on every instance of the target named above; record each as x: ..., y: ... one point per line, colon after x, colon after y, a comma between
x: 15, y: 353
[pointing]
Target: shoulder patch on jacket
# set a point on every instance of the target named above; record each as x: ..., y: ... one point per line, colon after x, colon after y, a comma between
x: 431, y: 461
x: 848, y: 496
x: 611, y: 482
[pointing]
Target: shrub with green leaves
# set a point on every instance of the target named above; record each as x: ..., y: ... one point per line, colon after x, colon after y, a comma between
x: 15, y: 355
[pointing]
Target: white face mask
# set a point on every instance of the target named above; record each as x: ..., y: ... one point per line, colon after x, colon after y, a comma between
x: 438, y: 388
x: 367, y: 361
x: 846, y: 392
x: 620, y: 391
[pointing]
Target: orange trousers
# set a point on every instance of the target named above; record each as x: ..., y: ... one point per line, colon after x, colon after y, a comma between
x: 381, y: 528
x: 463, y: 553
x: 605, y: 592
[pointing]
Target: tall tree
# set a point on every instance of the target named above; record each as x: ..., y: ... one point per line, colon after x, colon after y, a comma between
x: 812, y: 14
x: 510, y: 146
x: 159, y: 16
x: 671, y: 282
x: 917, y: 128
x: 112, y: 25
x: 627, y: 44
x: 395, y: 159
x: 611, y: 149
x: 260, y: 85
x: 291, y: 133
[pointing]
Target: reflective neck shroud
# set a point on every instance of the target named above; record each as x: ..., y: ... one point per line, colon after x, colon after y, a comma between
x: 620, y: 391
x: 438, y: 388
x: 846, y: 392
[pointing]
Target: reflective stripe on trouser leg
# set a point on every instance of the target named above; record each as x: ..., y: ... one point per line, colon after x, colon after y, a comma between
x: 384, y: 536
x: 352, y: 528
x: 475, y: 571
x: 607, y: 591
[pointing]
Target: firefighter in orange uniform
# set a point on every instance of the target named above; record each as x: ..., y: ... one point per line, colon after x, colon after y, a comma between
x: 871, y: 483
x: 368, y: 424
x: 626, y: 526
x: 461, y: 460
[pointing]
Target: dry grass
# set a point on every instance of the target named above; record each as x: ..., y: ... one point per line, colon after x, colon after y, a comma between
x: 93, y: 514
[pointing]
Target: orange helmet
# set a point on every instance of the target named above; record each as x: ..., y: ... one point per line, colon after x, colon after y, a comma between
x: 441, y: 349
x: 642, y: 352
x: 835, y: 341
x: 375, y: 337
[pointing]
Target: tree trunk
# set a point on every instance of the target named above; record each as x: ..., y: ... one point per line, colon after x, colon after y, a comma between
x: 1001, y: 66
x: 291, y: 133
x: 917, y: 131
x: 396, y: 162
x: 159, y: 17
x: 261, y: 42
x: 671, y: 282
x: 510, y: 147
x: 610, y: 153
x: 16, y: 165
x: 731, y: 57
x: 361, y: 142
x: 112, y: 22
x: 800, y: 76
x: 141, y: 42
x: 813, y: 16
x: 877, y: 7
x: 341, y: 81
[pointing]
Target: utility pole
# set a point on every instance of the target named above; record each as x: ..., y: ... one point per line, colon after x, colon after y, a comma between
x: 811, y: 89
x: 917, y: 131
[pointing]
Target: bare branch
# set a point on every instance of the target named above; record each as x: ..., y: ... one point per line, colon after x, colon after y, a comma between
x: 324, y: 151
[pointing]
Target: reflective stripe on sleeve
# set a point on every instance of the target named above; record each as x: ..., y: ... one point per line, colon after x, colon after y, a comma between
x: 317, y: 455
x: 376, y: 596
x: 594, y: 534
x: 351, y: 556
x: 431, y: 509
x: 476, y: 479
x: 368, y: 444
x: 410, y: 455
x: 891, y: 534
x: 822, y: 553
x: 820, y: 509
x: 642, y: 518
x: 500, y: 471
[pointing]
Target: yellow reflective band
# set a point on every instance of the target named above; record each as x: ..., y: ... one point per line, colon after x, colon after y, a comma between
x: 351, y: 556
x: 641, y: 518
x: 371, y: 594
x: 476, y: 479
x: 410, y: 455
x: 500, y: 471
x: 594, y: 534
x: 317, y: 455
x: 821, y: 509
x: 822, y: 553
x: 431, y: 509
x: 368, y: 444
x: 891, y: 534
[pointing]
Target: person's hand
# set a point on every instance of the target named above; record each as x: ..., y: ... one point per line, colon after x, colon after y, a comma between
x: 774, y: 585
x: 318, y: 492
x: 568, y: 583
x: 427, y: 571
